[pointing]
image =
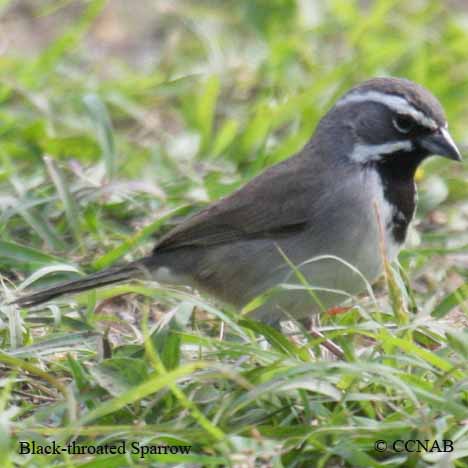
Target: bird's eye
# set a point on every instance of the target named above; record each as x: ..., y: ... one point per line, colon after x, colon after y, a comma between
x: 403, y: 123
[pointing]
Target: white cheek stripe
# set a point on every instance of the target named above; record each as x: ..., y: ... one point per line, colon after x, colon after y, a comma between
x: 366, y: 153
x: 396, y: 103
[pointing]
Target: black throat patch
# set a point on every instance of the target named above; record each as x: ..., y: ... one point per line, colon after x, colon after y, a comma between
x: 397, y: 175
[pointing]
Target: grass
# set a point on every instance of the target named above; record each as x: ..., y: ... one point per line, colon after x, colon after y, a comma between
x: 123, y: 120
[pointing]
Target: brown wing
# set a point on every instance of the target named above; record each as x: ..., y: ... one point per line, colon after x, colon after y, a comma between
x: 272, y: 204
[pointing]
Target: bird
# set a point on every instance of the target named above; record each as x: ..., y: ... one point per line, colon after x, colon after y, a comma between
x: 316, y: 222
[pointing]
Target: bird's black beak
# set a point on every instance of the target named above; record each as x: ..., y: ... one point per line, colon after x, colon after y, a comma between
x: 440, y: 143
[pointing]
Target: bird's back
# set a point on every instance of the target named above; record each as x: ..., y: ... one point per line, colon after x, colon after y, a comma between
x: 321, y: 213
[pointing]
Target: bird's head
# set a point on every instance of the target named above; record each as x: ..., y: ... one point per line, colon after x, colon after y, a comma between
x: 387, y: 121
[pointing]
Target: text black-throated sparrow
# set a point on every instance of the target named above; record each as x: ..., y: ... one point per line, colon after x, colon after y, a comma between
x: 316, y: 210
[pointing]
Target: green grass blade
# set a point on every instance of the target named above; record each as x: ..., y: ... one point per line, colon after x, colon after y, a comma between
x: 105, y: 134
x: 452, y: 300
x: 69, y: 205
x: 118, y: 252
x: 12, y: 253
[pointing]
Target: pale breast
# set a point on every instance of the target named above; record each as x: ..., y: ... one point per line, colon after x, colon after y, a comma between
x: 348, y: 254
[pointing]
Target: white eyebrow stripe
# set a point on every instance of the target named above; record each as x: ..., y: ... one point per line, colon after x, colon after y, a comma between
x: 366, y: 153
x: 396, y: 103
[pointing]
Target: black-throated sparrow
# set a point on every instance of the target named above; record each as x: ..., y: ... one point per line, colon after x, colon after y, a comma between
x: 316, y: 210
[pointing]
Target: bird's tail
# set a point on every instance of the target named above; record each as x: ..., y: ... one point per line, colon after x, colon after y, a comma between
x: 105, y: 277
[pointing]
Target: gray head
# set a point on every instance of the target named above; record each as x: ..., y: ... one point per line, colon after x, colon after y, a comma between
x: 387, y: 120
